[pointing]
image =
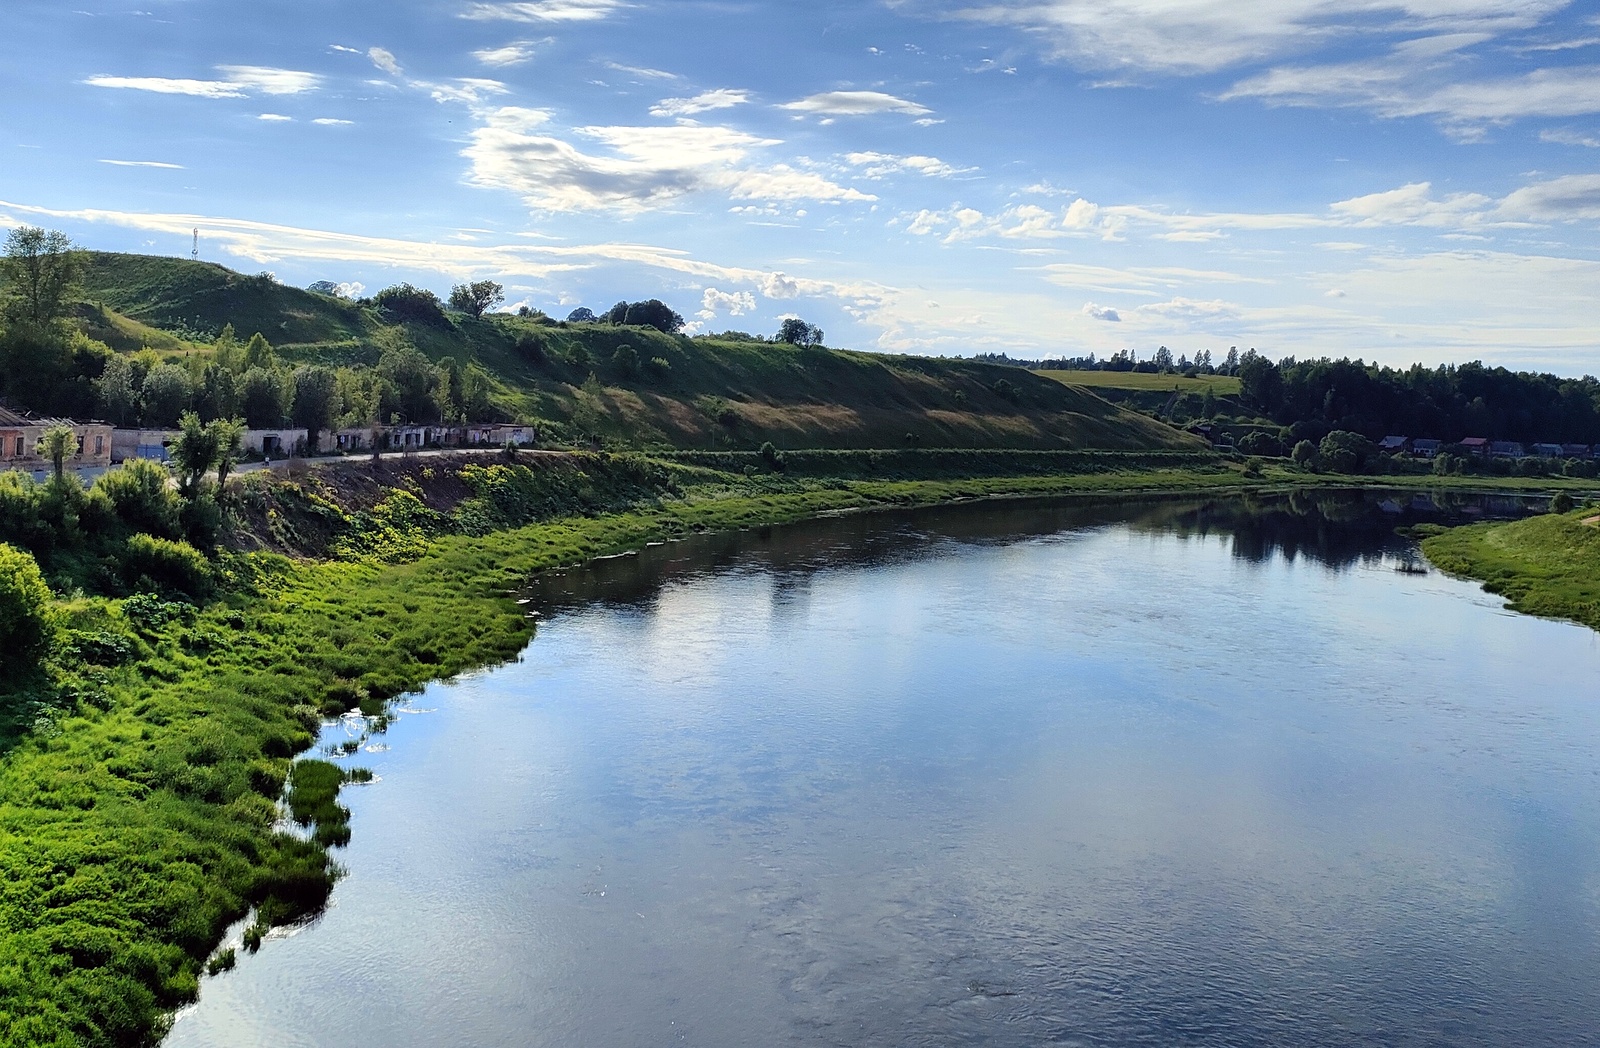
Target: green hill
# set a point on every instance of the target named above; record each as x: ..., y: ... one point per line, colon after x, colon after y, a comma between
x: 670, y: 391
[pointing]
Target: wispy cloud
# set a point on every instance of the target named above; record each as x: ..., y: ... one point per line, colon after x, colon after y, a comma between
x: 854, y: 103
x: 705, y: 102
x: 642, y: 71
x: 239, y: 82
x: 880, y: 165
x: 515, y: 53
x: 144, y: 163
x: 543, y: 11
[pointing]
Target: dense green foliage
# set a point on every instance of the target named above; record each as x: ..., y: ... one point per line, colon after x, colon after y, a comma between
x: 24, y: 613
x: 1547, y: 565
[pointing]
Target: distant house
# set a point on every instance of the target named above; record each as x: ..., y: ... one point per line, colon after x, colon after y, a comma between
x: 19, y: 442
x: 1475, y: 445
x: 500, y: 435
x: 1506, y: 449
x: 1394, y: 445
x: 1576, y: 451
x: 276, y: 443
x: 141, y: 444
x: 1546, y: 450
x: 1426, y: 447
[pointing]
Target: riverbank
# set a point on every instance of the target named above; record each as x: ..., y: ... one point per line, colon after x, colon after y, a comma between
x: 138, y: 825
x: 1548, y: 565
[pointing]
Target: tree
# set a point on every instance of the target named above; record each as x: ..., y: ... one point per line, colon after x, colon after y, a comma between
x: 118, y: 390
x: 406, y: 303
x: 1343, y: 451
x: 797, y: 332
x: 24, y: 612
x: 581, y: 315
x: 39, y: 273
x: 1260, y: 382
x: 625, y: 361
x: 261, y: 398
x: 58, y: 444
x: 228, y: 433
x: 194, y: 452
x: 258, y: 353
x: 1561, y: 503
x: 617, y: 314
x: 415, y: 383
x: 654, y: 313
x: 1304, y: 454
x: 167, y: 392
x: 218, y: 395
x: 477, y: 298
x: 315, y: 403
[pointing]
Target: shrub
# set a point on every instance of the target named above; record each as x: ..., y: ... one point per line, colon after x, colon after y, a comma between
x: 625, y: 361
x: 141, y: 498
x: 1304, y: 454
x: 406, y: 303
x: 155, y: 563
x: 772, y: 456
x: 1562, y: 503
x: 24, y: 612
x: 1343, y: 451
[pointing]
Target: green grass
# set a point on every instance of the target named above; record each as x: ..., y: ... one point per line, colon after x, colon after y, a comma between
x: 1548, y: 565
x: 703, y: 394
x: 1221, y: 385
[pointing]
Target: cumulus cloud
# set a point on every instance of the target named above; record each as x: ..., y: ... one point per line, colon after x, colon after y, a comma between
x: 778, y: 286
x: 543, y: 11
x: 238, y: 82
x: 879, y: 165
x: 646, y: 167
x: 705, y: 102
x: 854, y: 103
x: 1105, y: 313
x: 735, y: 304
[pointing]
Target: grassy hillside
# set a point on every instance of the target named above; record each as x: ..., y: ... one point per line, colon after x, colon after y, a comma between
x: 684, y: 393
x: 1220, y: 385
x: 1547, y: 565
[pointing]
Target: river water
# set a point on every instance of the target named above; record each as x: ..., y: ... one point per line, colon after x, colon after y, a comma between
x: 1159, y: 774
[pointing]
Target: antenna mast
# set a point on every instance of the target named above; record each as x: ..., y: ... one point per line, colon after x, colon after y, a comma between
x: 195, y: 254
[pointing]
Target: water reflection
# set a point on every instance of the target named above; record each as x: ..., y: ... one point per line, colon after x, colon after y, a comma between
x: 1170, y: 773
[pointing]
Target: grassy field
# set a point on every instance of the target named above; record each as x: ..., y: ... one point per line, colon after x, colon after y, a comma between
x: 1221, y: 385
x: 1547, y: 565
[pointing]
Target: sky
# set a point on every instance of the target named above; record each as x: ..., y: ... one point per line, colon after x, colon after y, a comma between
x: 1397, y: 180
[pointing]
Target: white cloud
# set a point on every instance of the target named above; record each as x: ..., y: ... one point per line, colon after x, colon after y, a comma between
x: 1105, y: 313
x: 778, y: 286
x: 1414, y: 205
x: 275, y: 118
x: 1202, y: 36
x: 878, y: 165
x: 386, y: 61
x: 648, y: 166
x: 143, y: 163
x: 1569, y: 137
x: 329, y: 121
x: 515, y: 53
x: 470, y: 90
x: 854, y: 103
x: 735, y: 304
x: 350, y: 289
x: 1565, y: 199
x: 543, y: 11
x: 643, y: 71
x: 240, y: 81
x: 723, y: 98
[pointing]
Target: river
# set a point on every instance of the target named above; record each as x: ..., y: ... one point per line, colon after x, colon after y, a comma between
x: 1175, y: 773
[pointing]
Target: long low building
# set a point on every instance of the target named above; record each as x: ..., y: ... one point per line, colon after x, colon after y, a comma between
x: 20, y: 435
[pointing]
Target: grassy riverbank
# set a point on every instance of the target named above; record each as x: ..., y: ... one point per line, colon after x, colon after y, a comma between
x: 139, y: 815
x: 1548, y: 565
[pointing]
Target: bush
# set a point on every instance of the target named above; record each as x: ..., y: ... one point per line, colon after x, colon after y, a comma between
x: 1344, y: 452
x: 625, y: 361
x: 1562, y: 503
x: 154, y: 563
x: 1304, y: 454
x: 1261, y: 443
x: 772, y: 456
x: 406, y: 303
x: 141, y: 498
x: 25, y: 626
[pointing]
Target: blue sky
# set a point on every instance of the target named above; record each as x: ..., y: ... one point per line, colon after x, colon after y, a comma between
x: 1415, y: 180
